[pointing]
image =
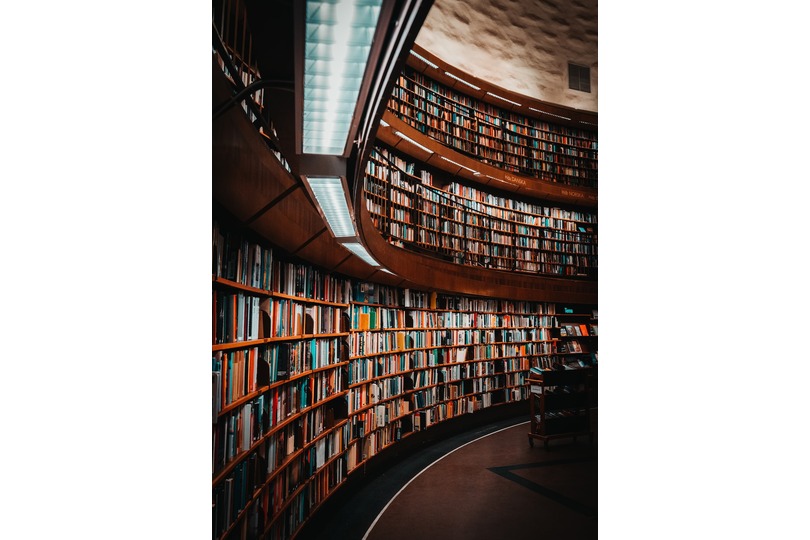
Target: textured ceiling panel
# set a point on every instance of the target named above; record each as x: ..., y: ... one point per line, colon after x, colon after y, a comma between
x: 520, y: 45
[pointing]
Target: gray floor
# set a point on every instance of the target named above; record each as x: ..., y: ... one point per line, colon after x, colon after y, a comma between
x: 495, y: 487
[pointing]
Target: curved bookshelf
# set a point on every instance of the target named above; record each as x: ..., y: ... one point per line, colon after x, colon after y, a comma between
x: 296, y: 414
x: 320, y: 364
x: 470, y: 226
x: 528, y: 141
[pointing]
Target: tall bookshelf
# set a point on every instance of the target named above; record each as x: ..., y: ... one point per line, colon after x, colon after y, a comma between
x: 280, y: 358
x: 552, y: 152
x: 417, y: 208
x: 315, y: 374
x: 420, y: 358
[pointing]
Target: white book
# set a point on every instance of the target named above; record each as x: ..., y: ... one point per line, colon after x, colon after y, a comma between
x: 320, y: 453
x: 256, y: 315
x: 461, y: 354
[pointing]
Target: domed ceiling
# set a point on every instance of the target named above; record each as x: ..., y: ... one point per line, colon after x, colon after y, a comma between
x: 521, y: 45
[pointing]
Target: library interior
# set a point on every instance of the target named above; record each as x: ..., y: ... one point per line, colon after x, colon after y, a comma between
x: 404, y: 269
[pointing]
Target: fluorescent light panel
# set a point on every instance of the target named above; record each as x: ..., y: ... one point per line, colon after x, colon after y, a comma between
x: 383, y: 123
x: 336, y: 48
x: 550, y: 114
x: 503, y: 98
x: 358, y: 249
x: 425, y: 60
x: 413, y: 141
x: 462, y: 80
x: 330, y: 197
x: 460, y: 165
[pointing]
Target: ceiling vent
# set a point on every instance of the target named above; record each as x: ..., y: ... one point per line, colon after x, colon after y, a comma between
x: 579, y: 78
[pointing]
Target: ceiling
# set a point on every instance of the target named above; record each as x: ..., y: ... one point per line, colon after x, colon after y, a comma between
x: 520, y: 45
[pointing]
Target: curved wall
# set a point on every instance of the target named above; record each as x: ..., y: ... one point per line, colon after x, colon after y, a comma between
x: 520, y: 45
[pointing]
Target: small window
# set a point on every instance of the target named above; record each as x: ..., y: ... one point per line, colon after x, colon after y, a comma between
x: 579, y: 78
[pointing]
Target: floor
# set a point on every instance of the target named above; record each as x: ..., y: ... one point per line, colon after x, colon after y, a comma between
x: 486, y: 483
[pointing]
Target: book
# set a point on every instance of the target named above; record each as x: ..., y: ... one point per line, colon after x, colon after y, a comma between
x: 217, y: 393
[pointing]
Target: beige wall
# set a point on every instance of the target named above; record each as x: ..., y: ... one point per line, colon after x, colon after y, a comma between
x: 521, y: 45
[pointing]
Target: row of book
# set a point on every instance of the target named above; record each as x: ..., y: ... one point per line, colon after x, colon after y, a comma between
x: 292, y: 318
x: 371, y: 342
x: 236, y: 374
x: 429, y: 100
x: 390, y: 162
x: 238, y: 259
x: 237, y: 317
x: 239, y: 429
x: 283, y: 435
x: 518, y: 207
x: 459, y: 196
x: 384, y: 424
x: 439, y: 100
x: 571, y: 346
x: 477, y: 327
x: 383, y: 414
x: 569, y: 329
x: 240, y: 372
x: 369, y: 444
x: 417, y: 84
x: 242, y: 317
x: 394, y: 365
x: 465, y: 244
x: 415, y: 221
x: 466, y: 240
x: 448, y: 344
x: 378, y: 390
x: 504, y: 155
x: 281, y: 505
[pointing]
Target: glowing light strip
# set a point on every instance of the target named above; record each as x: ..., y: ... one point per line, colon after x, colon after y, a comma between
x: 503, y: 98
x: 331, y: 198
x: 461, y: 80
x: 550, y: 114
x: 460, y: 165
x: 358, y: 249
x: 425, y: 60
x: 412, y: 141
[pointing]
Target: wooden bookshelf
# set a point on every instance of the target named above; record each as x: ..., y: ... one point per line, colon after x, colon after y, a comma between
x: 482, y: 128
x: 560, y: 404
x: 305, y: 391
x: 414, y: 207
x: 565, y: 388
x: 577, y: 332
x: 280, y: 359
x: 420, y: 358
x: 297, y: 411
